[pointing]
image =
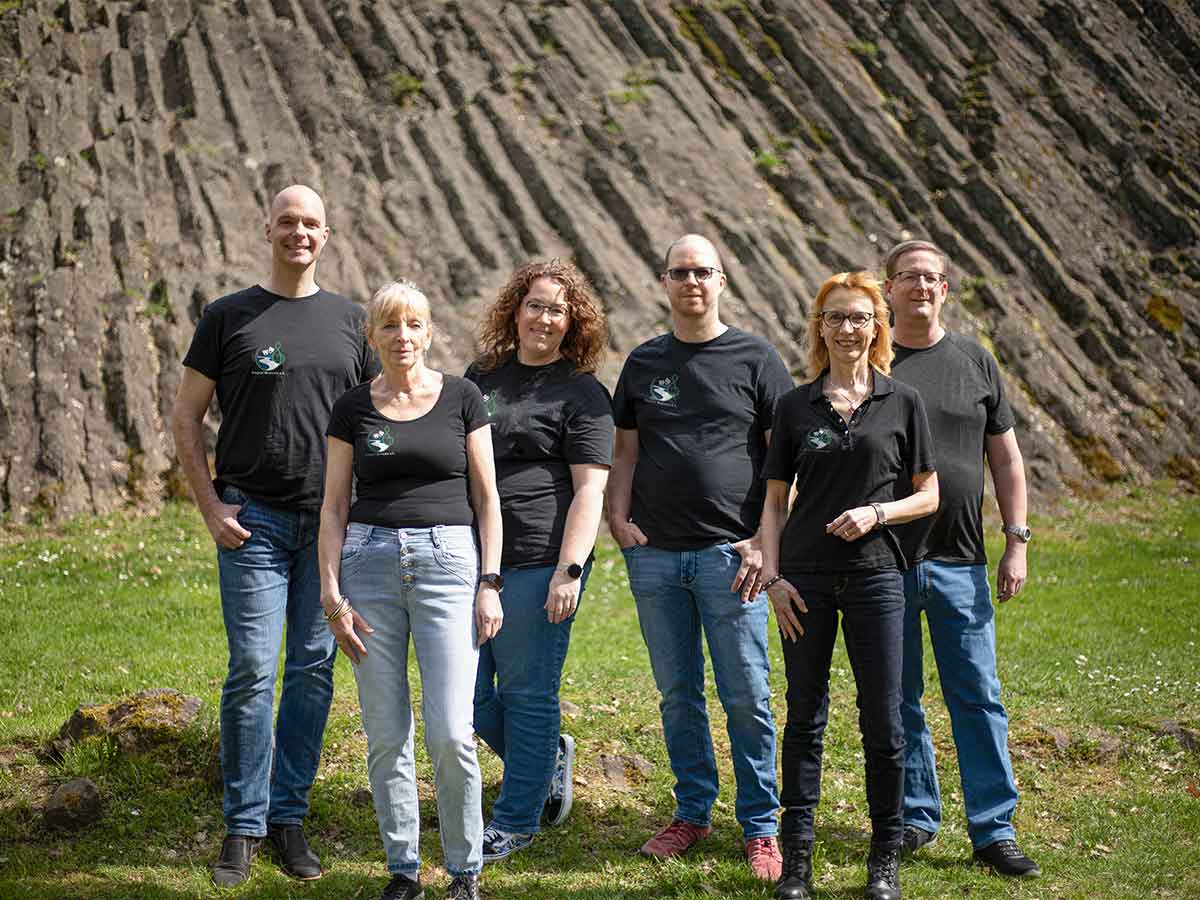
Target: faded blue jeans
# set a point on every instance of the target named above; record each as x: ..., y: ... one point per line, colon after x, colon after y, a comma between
x: 268, y: 764
x: 516, y: 696
x: 682, y: 595
x: 418, y: 583
x: 957, y: 603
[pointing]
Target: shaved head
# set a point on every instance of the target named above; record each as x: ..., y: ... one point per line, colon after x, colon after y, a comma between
x: 694, y: 241
x: 298, y: 195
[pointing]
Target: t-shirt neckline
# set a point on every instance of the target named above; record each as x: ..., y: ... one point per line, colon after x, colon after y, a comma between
x: 386, y: 418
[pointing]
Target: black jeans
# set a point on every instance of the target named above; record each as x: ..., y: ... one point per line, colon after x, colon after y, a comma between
x: 872, y: 608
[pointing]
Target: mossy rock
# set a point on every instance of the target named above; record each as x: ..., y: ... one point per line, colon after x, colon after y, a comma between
x: 145, y: 720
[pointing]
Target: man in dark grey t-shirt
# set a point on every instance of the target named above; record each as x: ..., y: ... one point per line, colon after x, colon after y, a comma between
x: 970, y: 420
x: 693, y: 410
x: 276, y: 355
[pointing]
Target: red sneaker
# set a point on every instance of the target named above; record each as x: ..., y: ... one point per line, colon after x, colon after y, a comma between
x: 675, y: 839
x: 763, y: 855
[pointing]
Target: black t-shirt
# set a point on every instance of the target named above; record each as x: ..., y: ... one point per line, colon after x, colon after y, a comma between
x: 838, y: 467
x: 544, y: 420
x: 964, y: 397
x: 702, y: 412
x: 279, y: 364
x: 411, y: 474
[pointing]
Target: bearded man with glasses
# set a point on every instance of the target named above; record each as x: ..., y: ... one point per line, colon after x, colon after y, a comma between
x: 693, y: 410
x: 970, y: 420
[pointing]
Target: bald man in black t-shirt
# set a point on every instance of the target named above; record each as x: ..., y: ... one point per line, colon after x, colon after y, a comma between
x: 276, y: 356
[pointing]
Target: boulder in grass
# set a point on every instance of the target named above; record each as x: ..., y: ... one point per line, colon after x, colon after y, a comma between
x: 147, y: 719
x: 73, y: 805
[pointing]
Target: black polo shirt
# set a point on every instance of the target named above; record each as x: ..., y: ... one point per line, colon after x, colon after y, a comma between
x: 838, y: 466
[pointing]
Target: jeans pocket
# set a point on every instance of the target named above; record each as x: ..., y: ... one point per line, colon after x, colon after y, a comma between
x: 465, y: 570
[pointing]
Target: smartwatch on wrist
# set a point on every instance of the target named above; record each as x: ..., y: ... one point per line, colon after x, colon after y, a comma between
x: 493, y: 578
x: 574, y: 570
x: 1021, y: 532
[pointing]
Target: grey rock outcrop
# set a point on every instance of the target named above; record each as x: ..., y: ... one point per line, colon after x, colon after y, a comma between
x: 1052, y: 147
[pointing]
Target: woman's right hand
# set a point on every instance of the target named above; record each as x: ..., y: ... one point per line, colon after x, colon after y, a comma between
x: 786, y: 600
x: 344, y: 630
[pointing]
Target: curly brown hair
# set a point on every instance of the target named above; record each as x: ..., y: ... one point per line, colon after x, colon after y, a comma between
x: 587, y: 332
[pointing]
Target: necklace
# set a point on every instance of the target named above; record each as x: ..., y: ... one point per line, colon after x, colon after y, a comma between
x: 850, y: 396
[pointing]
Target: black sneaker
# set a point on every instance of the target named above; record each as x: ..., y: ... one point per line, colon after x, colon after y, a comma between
x: 914, y: 839
x: 401, y: 887
x: 558, y: 802
x: 295, y: 856
x: 463, y: 887
x: 796, y: 881
x: 883, y: 873
x: 1005, y: 858
x: 233, y: 865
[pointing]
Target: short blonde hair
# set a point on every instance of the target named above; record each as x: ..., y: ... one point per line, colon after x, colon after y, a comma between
x: 394, y: 300
x: 880, y: 355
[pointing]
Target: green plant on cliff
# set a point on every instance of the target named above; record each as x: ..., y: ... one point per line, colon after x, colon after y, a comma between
x: 635, y: 89
x: 405, y: 87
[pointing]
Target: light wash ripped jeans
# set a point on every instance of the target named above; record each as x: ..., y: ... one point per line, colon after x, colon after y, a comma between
x: 418, y: 582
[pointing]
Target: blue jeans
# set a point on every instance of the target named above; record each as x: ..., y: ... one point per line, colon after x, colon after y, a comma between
x: 418, y: 583
x: 516, y: 696
x: 679, y: 595
x: 957, y: 602
x: 268, y: 767
x: 872, y: 608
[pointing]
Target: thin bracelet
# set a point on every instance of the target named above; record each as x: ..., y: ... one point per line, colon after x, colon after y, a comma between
x: 880, y: 518
x: 770, y: 581
x: 339, y: 610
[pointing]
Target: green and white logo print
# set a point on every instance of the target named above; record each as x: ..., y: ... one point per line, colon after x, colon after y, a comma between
x: 665, y: 390
x: 381, y: 441
x: 270, y: 358
x: 490, y: 402
x: 819, y: 439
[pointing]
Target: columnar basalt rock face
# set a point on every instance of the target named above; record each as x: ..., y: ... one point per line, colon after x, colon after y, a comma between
x: 1052, y: 147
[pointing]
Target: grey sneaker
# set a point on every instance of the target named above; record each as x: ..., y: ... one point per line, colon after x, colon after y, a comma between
x: 401, y: 887
x: 558, y: 802
x: 463, y: 887
x: 498, y: 844
x: 914, y: 839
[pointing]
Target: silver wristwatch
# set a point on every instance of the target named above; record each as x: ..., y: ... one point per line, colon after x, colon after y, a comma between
x: 1020, y: 532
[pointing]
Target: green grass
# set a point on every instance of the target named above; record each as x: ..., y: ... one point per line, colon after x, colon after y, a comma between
x: 1097, y: 652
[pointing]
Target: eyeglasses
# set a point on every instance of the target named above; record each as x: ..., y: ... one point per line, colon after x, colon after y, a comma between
x: 536, y: 309
x: 908, y: 279
x: 835, y: 317
x: 703, y: 273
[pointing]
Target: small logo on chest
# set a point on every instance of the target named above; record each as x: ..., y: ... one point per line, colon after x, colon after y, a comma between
x: 380, y: 441
x: 819, y: 439
x: 664, y: 390
x: 269, y: 360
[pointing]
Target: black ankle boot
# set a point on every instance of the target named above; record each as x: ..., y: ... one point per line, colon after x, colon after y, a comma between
x: 883, y: 873
x: 794, y: 883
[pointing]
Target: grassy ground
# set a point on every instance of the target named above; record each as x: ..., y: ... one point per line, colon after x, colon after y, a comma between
x: 1096, y: 655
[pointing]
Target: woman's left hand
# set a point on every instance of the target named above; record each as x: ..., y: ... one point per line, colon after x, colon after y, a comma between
x: 853, y: 523
x: 489, y: 614
x: 562, y: 598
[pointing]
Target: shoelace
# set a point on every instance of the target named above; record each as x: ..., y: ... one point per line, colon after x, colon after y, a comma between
x: 677, y: 835
x: 558, y: 782
x: 884, y: 866
x: 796, y: 856
x: 1008, y: 849
x: 762, y: 847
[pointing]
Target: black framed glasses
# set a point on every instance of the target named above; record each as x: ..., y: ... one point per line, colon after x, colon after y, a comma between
x: 834, y: 318
x: 909, y: 278
x: 702, y: 273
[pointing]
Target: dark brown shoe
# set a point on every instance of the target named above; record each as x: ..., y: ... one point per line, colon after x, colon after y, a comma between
x: 233, y: 865
x: 295, y: 856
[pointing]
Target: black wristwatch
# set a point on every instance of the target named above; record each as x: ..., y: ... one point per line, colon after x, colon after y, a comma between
x: 1021, y: 532
x: 574, y: 570
x: 495, y: 579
